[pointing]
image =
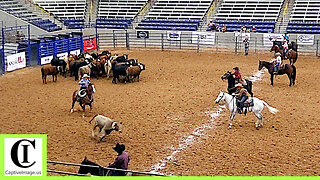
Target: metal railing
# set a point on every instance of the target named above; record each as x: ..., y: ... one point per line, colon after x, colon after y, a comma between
x: 104, y: 168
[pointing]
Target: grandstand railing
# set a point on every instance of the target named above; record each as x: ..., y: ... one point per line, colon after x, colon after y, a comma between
x: 102, y: 168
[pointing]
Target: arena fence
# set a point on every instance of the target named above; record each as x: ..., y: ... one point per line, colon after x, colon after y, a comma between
x: 200, y: 41
x: 19, y: 48
x: 99, y: 167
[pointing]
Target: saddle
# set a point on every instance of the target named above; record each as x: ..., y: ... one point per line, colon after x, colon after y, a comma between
x: 248, y: 102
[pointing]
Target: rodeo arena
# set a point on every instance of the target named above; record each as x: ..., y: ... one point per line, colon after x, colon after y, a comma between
x: 165, y: 87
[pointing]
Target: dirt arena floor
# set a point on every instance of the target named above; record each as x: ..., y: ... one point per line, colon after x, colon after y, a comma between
x: 174, y: 97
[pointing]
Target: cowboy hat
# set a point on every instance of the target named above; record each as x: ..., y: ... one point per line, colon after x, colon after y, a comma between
x: 278, y: 54
x: 119, y: 147
x: 236, y: 68
x: 85, y: 76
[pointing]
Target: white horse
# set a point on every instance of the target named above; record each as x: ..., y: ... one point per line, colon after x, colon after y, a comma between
x: 257, y: 107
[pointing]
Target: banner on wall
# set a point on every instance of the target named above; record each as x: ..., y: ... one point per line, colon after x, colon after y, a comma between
x: 268, y: 39
x: 174, y: 35
x: 16, y: 61
x: 305, y: 39
x: 46, y: 60
x: 204, y: 38
x: 61, y: 55
x: 90, y: 44
x: 143, y: 34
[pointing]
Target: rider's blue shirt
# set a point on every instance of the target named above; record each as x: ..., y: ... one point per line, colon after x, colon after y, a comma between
x: 84, y: 83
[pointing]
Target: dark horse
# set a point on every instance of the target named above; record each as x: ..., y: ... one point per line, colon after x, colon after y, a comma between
x: 99, y: 170
x: 288, y: 69
x: 276, y: 49
x: 291, y: 45
x: 292, y: 56
x: 95, y: 171
x: 232, y: 82
x: 83, y: 101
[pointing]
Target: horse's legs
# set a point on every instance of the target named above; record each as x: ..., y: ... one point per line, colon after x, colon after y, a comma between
x: 73, y: 101
x: 290, y: 79
x: 271, y: 78
x: 233, y: 114
x: 259, y: 122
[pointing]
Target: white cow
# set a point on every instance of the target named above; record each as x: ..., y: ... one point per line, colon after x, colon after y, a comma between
x: 106, y: 126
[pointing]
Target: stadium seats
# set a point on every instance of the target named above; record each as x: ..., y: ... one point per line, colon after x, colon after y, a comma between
x: 118, y: 14
x: 305, y: 17
x: 175, y: 15
x: 113, y: 23
x: 179, y: 9
x: 46, y: 24
x: 74, y: 23
x: 259, y: 10
x: 16, y: 8
x: 235, y: 25
x: 64, y: 9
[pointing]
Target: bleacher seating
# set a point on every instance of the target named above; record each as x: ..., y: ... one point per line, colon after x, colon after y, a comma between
x: 113, y: 23
x: 158, y: 24
x: 64, y: 9
x: 118, y: 14
x: 74, y: 23
x: 179, y: 9
x: 235, y: 25
x: 125, y: 9
x: 252, y: 10
x: 16, y: 8
x: 46, y: 24
x: 305, y: 17
x: 304, y: 27
x: 175, y: 15
x: 306, y: 10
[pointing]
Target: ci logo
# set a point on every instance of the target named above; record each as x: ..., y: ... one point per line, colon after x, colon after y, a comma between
x: 24, y: 162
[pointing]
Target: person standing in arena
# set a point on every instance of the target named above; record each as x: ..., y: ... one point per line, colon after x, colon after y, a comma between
x: 246, y: 45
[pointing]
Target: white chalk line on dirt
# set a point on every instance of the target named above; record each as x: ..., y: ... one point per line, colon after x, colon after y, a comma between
x: 197, y: 132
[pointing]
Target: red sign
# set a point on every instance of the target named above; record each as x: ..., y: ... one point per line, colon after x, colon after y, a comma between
x: 90, y: 44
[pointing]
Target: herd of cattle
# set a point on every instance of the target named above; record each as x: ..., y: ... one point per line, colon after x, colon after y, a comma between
x: 95, y: 65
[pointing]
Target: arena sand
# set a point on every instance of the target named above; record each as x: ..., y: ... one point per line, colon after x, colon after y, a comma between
x: 175, y: 95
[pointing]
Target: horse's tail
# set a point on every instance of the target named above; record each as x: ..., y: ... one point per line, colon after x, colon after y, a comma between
x: 294, y: 73
x: 93, y: 118
x: 271, y: 109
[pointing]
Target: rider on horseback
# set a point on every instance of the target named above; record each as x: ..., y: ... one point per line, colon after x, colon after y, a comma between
x: 238, y: 77
x: 84, y: 83
x: 285, y: 48
x: 242, y: 95
x: 277, y: 62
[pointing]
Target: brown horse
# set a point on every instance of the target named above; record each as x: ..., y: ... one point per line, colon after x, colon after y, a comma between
x: 288, y: 69
x: 276, y: 49
x: 292, y: 55
x: 83, y: 101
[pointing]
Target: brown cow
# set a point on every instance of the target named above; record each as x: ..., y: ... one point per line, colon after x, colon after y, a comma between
x: 49, y: 70
x: 134, y: 71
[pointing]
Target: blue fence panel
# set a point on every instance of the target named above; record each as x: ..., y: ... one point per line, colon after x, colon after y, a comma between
x: 62, y: 46
x: 2, y: 67
x: 75, y: 43
x: 46, y: 49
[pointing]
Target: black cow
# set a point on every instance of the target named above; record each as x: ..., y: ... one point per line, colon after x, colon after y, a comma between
x: 119, y: 69
x: 58, y: 62
x: 123, y: 58
x: 76, y: 66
